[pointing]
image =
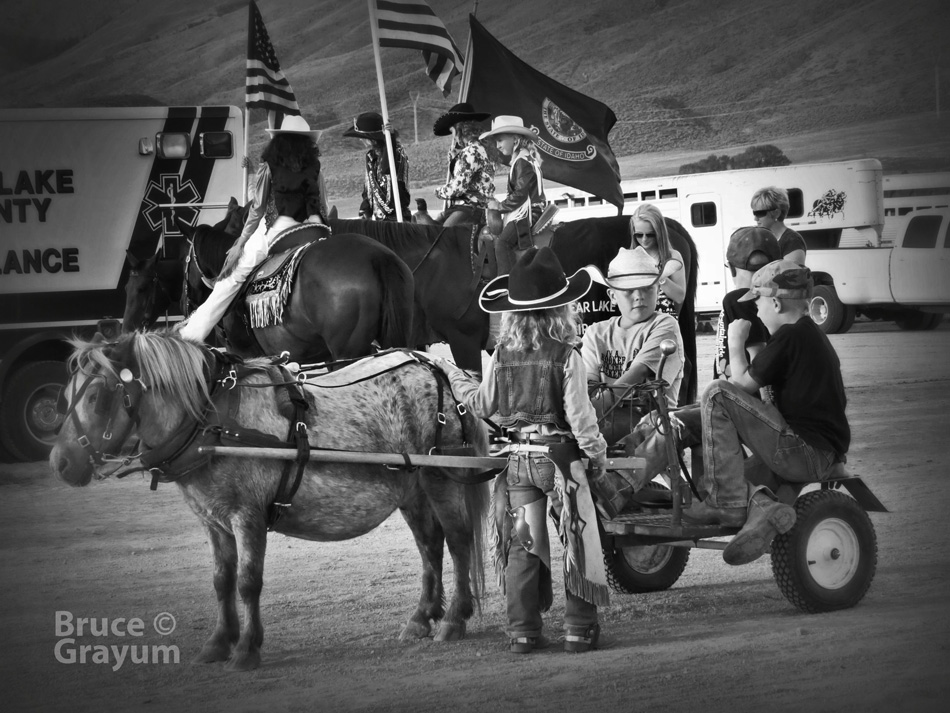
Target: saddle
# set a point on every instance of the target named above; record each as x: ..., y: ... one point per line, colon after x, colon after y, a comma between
x: 266, y: 291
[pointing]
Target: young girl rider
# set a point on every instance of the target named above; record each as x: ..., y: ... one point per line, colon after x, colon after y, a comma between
x: 536, y: 385
x: 379, y: 199
x: 525, y: 200
x: 290, y: 189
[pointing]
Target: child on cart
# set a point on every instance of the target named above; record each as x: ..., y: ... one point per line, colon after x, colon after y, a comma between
x: 536, y: 389
x: 800, y: 438
x: 625, y: 350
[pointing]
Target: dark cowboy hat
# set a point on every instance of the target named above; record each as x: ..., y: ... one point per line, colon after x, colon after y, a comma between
x: 368, y: 125
x: 537, y: 281
x: 458, y: 113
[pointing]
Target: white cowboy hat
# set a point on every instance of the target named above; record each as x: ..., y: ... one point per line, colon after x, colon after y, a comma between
x: 629, y: 270
x: 294, y: 124
x: 508, y: 125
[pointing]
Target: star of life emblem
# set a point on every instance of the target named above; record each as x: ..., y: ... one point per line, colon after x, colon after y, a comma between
x: 171, y: 189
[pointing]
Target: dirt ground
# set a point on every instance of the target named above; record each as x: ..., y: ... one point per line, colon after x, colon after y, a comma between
x: 722, y: 639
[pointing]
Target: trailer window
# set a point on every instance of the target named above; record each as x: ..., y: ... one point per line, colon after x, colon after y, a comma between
x: 703, y: 214
x: 796, y: 203
x: 922, y: 231
x: 630, y: 196
x: 594, y: 200
x: 169, y: 145
x: 668, y: 193
x: 217, y: 144
x: 647, y: 195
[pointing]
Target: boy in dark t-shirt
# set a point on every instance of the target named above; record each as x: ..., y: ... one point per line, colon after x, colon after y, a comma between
x: 800, y: 438
x: 748, y: 250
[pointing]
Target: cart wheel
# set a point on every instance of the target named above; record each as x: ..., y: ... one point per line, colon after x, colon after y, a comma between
x: 827, y: 561
x: 648, y: 568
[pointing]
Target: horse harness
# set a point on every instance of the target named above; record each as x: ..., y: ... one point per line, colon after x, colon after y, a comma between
x: 179, y: 455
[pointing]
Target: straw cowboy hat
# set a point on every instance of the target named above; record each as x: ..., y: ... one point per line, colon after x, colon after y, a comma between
x: 294, y: 124
x: 368, y: 125
x: 458, y: 113
x: 537, y: 281
x: 629, y: 270
x: 508, y: 125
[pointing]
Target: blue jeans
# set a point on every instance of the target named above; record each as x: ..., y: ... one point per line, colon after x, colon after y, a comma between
x: 530, y: 478
x: 733, y: 418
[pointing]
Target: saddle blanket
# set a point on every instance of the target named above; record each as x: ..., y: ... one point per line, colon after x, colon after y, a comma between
x: 267, y: 296
x: 365, y: 368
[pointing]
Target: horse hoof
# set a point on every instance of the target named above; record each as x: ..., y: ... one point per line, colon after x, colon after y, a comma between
x: 450, y: 632
x: 244, y: 662
x: 414, y: 630
x: 212, y: 653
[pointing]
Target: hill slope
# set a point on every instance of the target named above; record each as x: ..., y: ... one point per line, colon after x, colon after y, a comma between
x: 681, y: 75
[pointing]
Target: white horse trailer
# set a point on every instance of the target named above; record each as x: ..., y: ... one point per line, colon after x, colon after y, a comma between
x: 833, y: 205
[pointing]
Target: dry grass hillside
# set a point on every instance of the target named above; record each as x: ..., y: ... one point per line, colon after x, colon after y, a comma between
x: 685, y: 77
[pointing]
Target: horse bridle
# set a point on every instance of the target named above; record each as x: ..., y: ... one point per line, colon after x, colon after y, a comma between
x: 126, y: 394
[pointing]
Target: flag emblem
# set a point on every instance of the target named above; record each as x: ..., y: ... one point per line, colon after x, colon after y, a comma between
x: 559, y: 124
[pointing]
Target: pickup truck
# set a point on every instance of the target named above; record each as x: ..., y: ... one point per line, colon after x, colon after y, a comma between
x: 907, y: 279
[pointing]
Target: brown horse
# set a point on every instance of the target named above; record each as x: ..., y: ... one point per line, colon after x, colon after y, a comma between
x: 172, y: 395
x: 348, y: 292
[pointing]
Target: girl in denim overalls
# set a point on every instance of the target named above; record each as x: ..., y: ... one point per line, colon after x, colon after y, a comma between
x: 537, y: 389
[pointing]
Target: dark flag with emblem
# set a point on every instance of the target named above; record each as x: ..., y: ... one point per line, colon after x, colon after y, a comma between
x: 572, y: 128
x: 267, y: 87
x: 413, y: 25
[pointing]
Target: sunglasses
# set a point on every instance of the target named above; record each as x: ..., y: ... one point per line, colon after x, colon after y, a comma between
x: 762, y: 213
x: 644, y: 235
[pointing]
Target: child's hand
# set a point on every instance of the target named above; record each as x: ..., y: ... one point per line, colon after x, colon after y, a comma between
x: 739, y: 331
x: 672, y: 265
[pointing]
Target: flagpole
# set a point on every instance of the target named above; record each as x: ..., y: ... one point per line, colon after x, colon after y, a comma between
x: 244, y: 163
x: 374, y: 28
x: 466, y: 67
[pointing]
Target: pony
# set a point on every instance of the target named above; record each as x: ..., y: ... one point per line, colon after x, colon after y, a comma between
x: 348, y: 292
x: 173, y: 396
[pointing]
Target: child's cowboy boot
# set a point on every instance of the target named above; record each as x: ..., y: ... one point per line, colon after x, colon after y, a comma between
x: 579, y: 639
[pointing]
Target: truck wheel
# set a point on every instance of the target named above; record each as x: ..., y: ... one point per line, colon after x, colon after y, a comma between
x: 827, y: 561
x: 847, y: 319
x: 28, y: 416
x: 648, y: 568
x: 935, y: 320
x: 826, y: 309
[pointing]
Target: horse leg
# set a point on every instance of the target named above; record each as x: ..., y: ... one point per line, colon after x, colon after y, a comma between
x: 447, y: 498
x: 251, y: 536
x: 224, y: 554
x: 430, y: 540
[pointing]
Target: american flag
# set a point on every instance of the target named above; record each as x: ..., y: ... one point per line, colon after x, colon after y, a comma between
x: 267, y: 87
x: 413, y: 25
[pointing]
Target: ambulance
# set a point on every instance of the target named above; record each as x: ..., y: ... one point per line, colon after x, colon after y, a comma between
x: 80, y: 189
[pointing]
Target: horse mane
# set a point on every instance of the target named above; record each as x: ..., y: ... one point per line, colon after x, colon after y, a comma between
x: 171, y: 367
x: 211, y: 247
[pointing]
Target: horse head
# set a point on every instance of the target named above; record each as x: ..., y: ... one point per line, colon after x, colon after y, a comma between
x: 144, y: 385
x: 154, y: 285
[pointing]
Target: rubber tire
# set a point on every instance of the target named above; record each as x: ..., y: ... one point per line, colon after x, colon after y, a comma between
x: 826, y: 309
x: 847, y: 320
x: 28, y: 418
x: 935, y: 320
x: 827, y: 521
x: 632, y: 577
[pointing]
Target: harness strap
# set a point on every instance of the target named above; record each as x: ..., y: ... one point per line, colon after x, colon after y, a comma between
x: 298, y: 433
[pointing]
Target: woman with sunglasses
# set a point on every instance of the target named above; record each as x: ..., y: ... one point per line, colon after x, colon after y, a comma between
x: 648, y: 229
x: 770, y: 208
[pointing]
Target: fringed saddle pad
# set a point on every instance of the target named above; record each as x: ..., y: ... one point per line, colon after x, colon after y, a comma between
x: 267, y: 296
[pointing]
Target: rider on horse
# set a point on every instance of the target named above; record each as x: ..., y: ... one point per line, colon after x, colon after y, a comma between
x: 290, y: 190
x: 471, y: 171
x: 379, y: 202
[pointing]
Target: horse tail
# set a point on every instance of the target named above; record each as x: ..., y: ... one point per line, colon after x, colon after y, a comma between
x: 396, y: 292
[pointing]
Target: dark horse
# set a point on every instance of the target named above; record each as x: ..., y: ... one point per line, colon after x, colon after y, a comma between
x: 348, y: 293
x: 174, y: 392
x: 444, y: 263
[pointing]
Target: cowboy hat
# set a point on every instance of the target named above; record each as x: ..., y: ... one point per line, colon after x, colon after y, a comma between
x: 508, y: 125
x: 629, y: 270
x: 458, y: 113
x: 537, y: 281
x: 294, y: 124
x: 368, y: 125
